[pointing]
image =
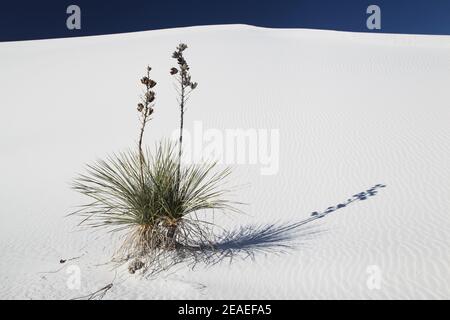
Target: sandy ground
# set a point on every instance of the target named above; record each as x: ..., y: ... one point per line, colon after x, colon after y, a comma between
x: 348, y: 111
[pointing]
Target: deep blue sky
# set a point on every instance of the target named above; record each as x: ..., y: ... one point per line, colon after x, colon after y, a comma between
x: 21, y: 20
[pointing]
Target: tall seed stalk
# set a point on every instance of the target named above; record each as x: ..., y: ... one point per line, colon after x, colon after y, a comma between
x: 184, y: 88
x: 145, y: 108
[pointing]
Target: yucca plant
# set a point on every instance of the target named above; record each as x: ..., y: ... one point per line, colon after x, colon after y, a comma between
x: 152, y: 196
x: 147, y: 199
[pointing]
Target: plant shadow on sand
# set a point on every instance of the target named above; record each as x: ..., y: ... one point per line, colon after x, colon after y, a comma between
x: 274, y: 238
x: 246, y: 242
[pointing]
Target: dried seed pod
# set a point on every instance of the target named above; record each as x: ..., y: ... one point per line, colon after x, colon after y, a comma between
x: 194, y: 85
x: 150, y: 111
x: 151, y: 83
x: 181, y: 47
x: 173, y: 71
x: 150, y: 96
x: 145, y: 80
x: 140, y: 107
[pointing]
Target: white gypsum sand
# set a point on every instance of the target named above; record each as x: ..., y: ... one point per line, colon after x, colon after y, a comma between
x: 352, y: 110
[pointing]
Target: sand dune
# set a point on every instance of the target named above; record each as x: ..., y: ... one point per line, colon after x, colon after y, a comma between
x: 351, y: 111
